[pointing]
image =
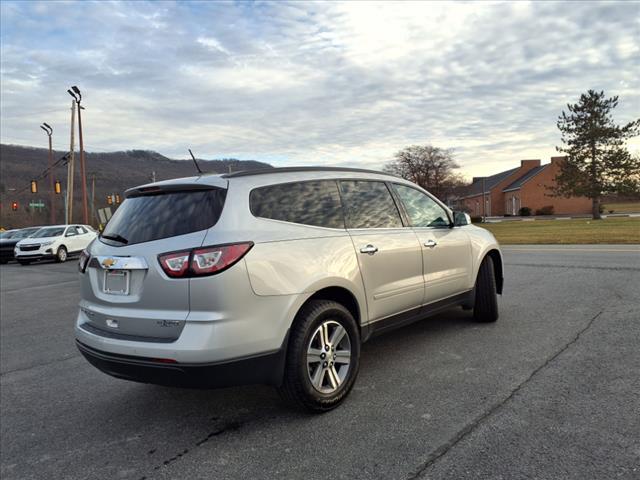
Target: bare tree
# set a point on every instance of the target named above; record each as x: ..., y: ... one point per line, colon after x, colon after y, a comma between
x: 430, y: 167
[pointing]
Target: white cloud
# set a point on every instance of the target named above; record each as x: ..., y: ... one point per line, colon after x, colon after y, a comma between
x: 306, y: 83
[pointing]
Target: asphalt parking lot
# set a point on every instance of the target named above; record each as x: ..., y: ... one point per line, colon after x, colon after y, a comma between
x: 552, y: 390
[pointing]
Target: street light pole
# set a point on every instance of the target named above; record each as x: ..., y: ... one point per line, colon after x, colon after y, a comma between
x: 70, y: 169
x: 75, y: 93
x: 49, y: 131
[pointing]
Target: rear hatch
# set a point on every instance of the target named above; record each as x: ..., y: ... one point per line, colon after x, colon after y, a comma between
x: 125, y: 292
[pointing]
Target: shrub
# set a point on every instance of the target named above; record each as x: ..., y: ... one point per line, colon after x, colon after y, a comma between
x: 546, y: 210
x: 611, y: 211
x: 524, y: 212
x: 476, y: 219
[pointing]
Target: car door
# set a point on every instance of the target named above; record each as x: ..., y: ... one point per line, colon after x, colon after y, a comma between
x: 84, y: 237
x: 446, y: 251
x: 71, y: 237
x: 388, y: 254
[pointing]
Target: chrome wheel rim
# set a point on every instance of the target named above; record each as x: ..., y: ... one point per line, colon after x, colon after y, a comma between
x: 62, y: 254
x: 328, y: 357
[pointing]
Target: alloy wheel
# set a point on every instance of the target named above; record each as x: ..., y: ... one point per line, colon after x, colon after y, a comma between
x: 328, y: 357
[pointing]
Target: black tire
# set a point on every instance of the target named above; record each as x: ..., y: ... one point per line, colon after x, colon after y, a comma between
x: 485, y: 308
x: 296, y: 387
x: 62, y: 254
x: 24, y: 262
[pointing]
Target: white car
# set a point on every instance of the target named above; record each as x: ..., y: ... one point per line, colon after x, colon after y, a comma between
x: 57, y: 242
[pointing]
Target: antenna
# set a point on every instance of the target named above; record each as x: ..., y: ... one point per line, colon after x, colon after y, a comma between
x: 194, y: 161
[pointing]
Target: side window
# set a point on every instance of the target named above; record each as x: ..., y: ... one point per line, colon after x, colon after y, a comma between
x: 369, y: 205
x: 314, y: 203
x: 423, y: 211
x: 81, y: 230
x: 71, y: 231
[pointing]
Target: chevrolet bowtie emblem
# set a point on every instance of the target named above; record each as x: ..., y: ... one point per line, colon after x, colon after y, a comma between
x: 108, y: 262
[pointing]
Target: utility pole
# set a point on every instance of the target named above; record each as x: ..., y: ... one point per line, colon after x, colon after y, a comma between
x: 70, y: 167
x: 93, y: 197
x: 52, y: 195
x: 484, y: 202
x: 75, y: 93
x: 153, y: 176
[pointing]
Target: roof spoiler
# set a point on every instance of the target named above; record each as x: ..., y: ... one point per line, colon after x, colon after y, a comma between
x: 146, y: 190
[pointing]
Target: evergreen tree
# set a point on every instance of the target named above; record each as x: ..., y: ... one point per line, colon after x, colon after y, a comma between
x: 598, y: 161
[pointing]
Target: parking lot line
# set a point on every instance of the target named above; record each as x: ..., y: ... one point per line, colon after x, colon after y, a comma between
x: 597, y: 250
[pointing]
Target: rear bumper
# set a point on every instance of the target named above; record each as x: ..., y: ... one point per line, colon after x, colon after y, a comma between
x: 263, y: 369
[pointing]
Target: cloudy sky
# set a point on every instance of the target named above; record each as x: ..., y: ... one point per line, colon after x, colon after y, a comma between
x: 315, y: 83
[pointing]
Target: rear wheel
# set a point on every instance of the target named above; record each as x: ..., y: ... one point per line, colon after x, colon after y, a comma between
x: 322, y: 358
x: 61, y: 254
x: 485, y: 308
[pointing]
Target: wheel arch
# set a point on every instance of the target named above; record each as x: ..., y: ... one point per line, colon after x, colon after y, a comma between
x: 340, y: 295
x: 498, y: 270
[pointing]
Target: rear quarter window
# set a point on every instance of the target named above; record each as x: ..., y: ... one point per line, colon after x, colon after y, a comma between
x: 315, y: 203
x: 168, y: 214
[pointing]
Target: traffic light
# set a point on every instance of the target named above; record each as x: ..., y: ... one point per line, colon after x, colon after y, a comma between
x: 14, y: 206
x: 117, y: 199
x: 109, y: 200
x: 34, y: 186
x: 57, y: 187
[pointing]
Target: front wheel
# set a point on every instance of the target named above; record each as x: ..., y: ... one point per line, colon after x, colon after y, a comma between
x: 61, y: 255
x: 322, y: 358
x: 485, y: 308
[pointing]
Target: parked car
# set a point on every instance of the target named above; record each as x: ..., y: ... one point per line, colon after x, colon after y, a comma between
x: 275, y: 277
x: 10, y: 238
x: 55, y: 242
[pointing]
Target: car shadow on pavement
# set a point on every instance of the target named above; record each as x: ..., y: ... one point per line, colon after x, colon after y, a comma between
x: 165, y: 424
x: 387, y: 351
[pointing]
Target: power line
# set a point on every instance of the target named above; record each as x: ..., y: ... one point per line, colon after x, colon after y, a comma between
x: 62, y: 160
x: 29, y: 114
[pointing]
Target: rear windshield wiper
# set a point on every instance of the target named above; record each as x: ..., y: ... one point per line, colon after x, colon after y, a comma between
x: 115, y: 237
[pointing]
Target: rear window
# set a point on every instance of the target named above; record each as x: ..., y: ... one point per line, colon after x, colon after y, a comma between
x: 151, y: 217
x: 315, y: 203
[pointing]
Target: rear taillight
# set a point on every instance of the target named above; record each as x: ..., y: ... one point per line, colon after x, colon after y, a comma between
x: 203, y: 261
x: 175, y: 264
x: 84, y: 260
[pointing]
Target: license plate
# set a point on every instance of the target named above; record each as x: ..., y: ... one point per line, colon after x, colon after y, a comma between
x: 116, y: 282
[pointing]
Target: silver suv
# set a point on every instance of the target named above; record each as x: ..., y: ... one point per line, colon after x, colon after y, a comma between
x: 274, y: 276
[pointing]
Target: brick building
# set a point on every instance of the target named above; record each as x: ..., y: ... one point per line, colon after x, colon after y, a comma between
x: 528, y: 185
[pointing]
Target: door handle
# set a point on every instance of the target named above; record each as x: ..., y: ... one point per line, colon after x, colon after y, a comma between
x: 370, y: 249
x: 430, y: 243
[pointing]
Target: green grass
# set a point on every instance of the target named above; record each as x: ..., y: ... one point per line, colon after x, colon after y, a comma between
x: 627, y: 207
x: 622, y: 230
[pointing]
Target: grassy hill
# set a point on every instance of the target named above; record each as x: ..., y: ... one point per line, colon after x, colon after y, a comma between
x: 114, y: 172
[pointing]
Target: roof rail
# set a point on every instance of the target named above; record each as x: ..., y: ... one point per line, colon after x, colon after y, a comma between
x: 263, y: 171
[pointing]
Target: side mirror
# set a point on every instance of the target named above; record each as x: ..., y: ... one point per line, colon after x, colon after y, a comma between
x: 461, y: 219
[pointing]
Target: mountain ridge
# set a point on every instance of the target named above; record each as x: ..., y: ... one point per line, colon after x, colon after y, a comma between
x: 114, y: 172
